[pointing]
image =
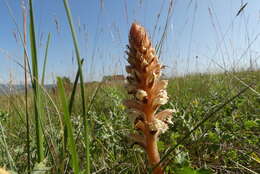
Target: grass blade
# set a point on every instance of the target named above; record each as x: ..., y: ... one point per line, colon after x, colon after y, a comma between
x: 45, y: 58
x: 85, y: 123
x: 4, y: 145
x: 69, y: 128
x: 26, y: 93
x: 71, y: 101
x: 35, y: 86
x: 72, y: 97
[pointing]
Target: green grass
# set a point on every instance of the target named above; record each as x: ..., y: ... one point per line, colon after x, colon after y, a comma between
x: 69, y: 128
x: 85, y: 122
x: 86, y: 130
x: 231, y: 136
x: 38, y: 105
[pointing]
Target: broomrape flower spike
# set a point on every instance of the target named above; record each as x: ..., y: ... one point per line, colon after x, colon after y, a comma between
x: 149, y: 93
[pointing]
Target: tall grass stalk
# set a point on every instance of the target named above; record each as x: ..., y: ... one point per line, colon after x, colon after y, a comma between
x: 69, y: 128
x: 38, y: 107
x: 159, y: 45
x: 75, y: 84
x: 71, y: 102
x: 26, y: 90
x: 45, y: 58
x: 86, y: 128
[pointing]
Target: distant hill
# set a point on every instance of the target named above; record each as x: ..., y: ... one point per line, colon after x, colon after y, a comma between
x: 5, y: 88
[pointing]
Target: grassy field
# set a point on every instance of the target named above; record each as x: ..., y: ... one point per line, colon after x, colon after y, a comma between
x: 78, y: 127
x: 227, y: 143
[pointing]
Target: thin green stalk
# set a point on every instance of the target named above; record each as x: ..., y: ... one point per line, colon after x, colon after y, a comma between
x: 5, y: 146
x: 86, y: 129
x: 45, y: 58
x: 71, y: 101
x: 69, y: 130
x: 37, y: 96
x: 72, y: 97
x: 164, y: 35
x: 26, y: 94
x: 20, y: 36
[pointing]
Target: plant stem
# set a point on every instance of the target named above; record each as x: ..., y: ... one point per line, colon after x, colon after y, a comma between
x: 151, y: 147
x: 26, y: 95
x: 37, y: 96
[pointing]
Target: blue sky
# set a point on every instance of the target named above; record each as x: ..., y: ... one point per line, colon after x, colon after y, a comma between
x: 203, y: 35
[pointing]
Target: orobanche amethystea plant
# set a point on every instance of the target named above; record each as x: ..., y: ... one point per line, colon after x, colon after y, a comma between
x: 149, y: 93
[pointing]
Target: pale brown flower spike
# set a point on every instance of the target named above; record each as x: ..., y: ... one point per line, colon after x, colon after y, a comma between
x: 149, y: 93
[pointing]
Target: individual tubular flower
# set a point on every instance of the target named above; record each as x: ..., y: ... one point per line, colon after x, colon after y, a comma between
x: 149, y: 93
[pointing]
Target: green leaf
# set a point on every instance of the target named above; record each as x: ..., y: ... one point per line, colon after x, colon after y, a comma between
x: 45, y: 58
x: 85, y: 122
x: 69, y: 128
x: 250, y: 124
x: 255, y: 157
x: 161, y: 145
x: 38, y: 105
x: 213, y: 137
x: 189, y: 170
x: 204, y: 171
x: 41, y: 168
x: 186, y: 170
x: 182, y: 158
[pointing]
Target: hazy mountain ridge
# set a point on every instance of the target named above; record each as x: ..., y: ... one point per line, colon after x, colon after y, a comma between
x: 6, y: 88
